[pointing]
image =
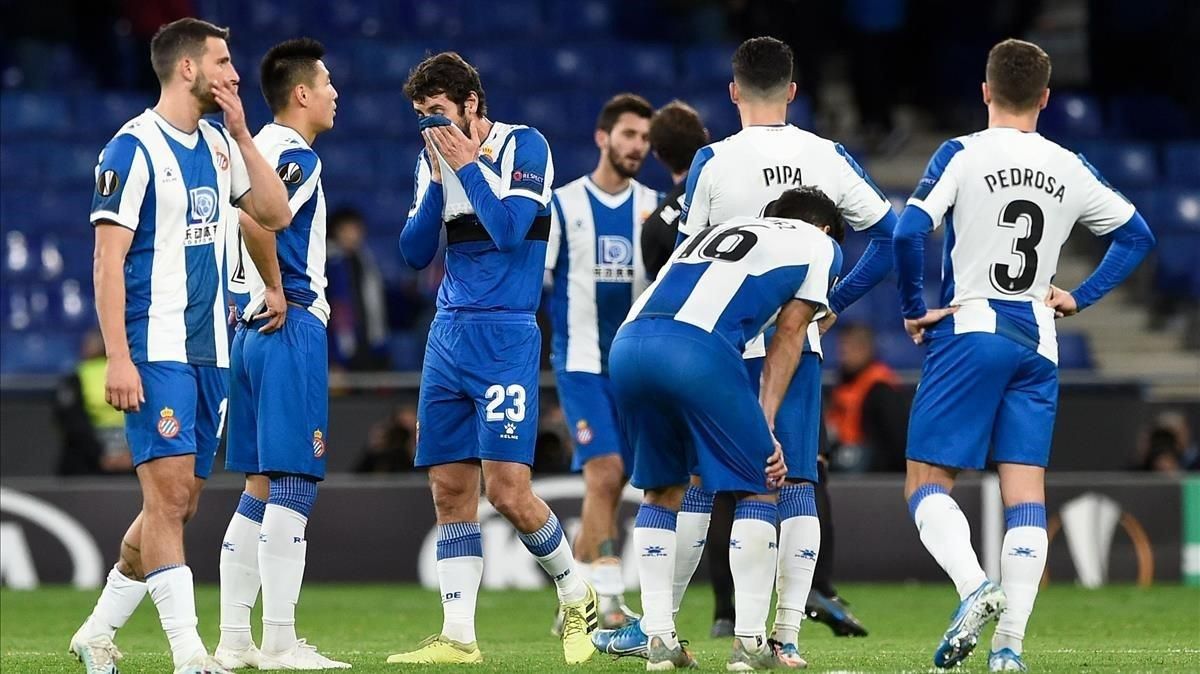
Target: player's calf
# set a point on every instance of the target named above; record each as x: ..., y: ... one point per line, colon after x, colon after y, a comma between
x: 799, y: 547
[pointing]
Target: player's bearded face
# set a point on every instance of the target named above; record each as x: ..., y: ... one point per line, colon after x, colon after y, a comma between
x: 627, y: 148
x: 202, y: 90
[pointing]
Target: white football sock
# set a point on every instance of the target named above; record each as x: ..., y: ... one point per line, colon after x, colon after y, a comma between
x: 752, y: 559
x: 172, y: 592
x: 1022, y: 563
x: 655, y: 540
x: 799, y: 547
x: 607, y: 577
x: 118, y: 601
x: 695, y: 513
x: 549, y: 545
x: 946, y: 534
x: 460, y: 570
x: 239, y: 580
x: 281, y: 553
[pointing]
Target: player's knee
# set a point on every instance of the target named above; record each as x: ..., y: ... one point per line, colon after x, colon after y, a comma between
x: 170, y: 502
x: 604, y: 475
x: 294, y: 492
x: 452, y: 499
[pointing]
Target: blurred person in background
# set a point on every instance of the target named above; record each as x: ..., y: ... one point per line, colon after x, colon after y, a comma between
x: 676, y: 133
x: 357, y: 299
x: 93, y: 432
x: 592, y: 265
x: 1167, y: 445
x: 391, y: 443
x: 867, y: 419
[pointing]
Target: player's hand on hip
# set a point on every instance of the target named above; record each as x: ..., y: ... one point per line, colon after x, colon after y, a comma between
x: 123, y: 385
x: 776, y: 467
x: 827, y: 321
x: 435, y: 166
x: 915, y: 327
x: 456, y: 148
x: 1062, y: 302
x: 235, y: 117
x: 274, y: 309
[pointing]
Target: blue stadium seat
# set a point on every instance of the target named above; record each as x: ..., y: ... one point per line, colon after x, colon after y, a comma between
x: 655, y: 175
x: 435, y: 19
x: 22, y: 163
x: 504, y: 66
x: 397, y: 161
x: 1070, y: 116
x: 386, y: 250
x: 800, y: 113
x: 482, y: 18
x: 369, y: 114
x: 1074, y: 351
x: 590, y: 18
x: 1153, y: 117
x: 572, y: 160
x: 719, y: 114
x: 1177, y: 209
x: 406, y: 350
x: 1183, y: 164
x: 708, y: 65
x: 350, y: 161
x: 70, y: 165
x: 645, y: 66
x: 105, y: 113
x: 384, y: 63
x: 547, y: 112
x: 38, y: 352
x: 576, y: 65
x: 1177, y: 272
x: 1125, y: 165
x: 26, y: 114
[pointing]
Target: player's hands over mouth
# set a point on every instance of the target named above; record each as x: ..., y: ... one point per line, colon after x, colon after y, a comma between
x: 274, y: 310
x: 1062, y: 302
x: 776, y: 468
x: 456, y: 148
x: 235, y: 117
x: 915, y: 327
x: 435, y: 166
x: 123, y: 385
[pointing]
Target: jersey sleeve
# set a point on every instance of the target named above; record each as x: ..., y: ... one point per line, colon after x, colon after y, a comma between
x: 862, y: 203
x: 122, y: 176
x: 823, y: 271
x: 300, y: 171
x: 528, y: 170
x: 555, y: 242
x: 422, y: 176
x: 697, y: 196
x: 938, y: 189
x: 1104, y: 208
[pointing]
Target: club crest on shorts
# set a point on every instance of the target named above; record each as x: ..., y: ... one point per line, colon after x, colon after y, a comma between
x: 583, y: 432
x: 318, y: 443
x: 168, y: 425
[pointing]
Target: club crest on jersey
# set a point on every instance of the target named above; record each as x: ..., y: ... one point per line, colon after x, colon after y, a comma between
x: 291, y: 173
x: 583, y: 432
x: 222, y: 161
x: 168, y: 425
x: 318, y: 443
x: 107, y: 183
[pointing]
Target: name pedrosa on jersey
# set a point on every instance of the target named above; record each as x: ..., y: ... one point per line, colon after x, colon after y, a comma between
x: 1024, y: 177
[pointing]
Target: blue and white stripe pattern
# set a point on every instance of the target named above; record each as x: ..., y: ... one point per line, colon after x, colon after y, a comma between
x: 174, y: 190
x: 797, y: 500
x: 294, y: 492
x: 251, y: 507
x: 1025, y: 515
x: 749, y: 509
x: 651, y: 516
x: 459, y: 539
x: 546, y: 539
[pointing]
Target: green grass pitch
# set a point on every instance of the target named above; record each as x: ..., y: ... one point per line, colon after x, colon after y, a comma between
x: 1116, y: 629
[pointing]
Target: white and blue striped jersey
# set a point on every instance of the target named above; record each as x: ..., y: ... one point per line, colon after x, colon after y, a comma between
x: 175, y: 191
x: 301, y: 246
x: 594, y: 260
x: 732, y: 279
x: 740, y: 175
x: 1009, y: 199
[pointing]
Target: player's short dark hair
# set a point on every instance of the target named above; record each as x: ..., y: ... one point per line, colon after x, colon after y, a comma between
x: 762, y: 64
x: 676, y: 133
x: 809, y: 204
x: 619, y: 105
x: 445, y: 73
x: 285, y: 65
x: 1017, y: 74
x: 183, y: 37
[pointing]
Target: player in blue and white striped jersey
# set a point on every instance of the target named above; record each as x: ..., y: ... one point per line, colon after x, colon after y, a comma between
x: 989, y: 385
x: 687, y: 401
x: 164, y: 186
x: 279, y: 391
x: 594, y: 263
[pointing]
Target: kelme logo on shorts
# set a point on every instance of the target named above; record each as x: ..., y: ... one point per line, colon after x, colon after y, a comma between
x: 168, y: 425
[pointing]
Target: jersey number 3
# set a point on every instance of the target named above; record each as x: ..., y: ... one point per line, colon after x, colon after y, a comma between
x: 1011, y: 217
